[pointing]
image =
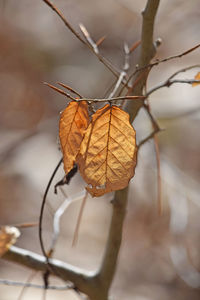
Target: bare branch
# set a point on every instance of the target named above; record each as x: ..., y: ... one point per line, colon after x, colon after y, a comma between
x: 183, y: 70
x: 123, y: 72
x: 92, y: 99
x: 67, y: 24
x: 147, y: 51
x: 169, y: 82
x: 89, y: 39
x: 70, y: 89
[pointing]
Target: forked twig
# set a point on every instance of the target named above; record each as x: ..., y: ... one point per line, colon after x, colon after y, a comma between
x: 106, y: 63
x: 92, y: 99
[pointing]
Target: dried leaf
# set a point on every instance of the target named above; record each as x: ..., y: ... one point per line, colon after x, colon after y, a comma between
x: 8, y: 237
x: 107, y: 156
x: 197, y: 77
x: 74, y: 121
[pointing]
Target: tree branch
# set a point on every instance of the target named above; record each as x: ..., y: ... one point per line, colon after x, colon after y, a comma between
x: 147, y: 52
x: 80, y: 278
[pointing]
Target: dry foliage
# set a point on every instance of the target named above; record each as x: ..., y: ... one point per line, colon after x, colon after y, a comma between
x: 107, y: 157
x: 74, y: 121
x: 8, y: 237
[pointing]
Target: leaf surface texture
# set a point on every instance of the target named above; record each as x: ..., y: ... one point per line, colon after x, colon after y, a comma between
x: 107, y: 157
x: 74, y: 121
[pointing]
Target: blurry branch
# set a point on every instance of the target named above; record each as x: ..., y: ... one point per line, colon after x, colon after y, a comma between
x: 33, y: 285
x: 83, y: 202
x: 28, y: 281
x: 90, y: 46
x: 56, y: 224
x: 89, y: 39
x: 169, y: 82
x: 123, y: 72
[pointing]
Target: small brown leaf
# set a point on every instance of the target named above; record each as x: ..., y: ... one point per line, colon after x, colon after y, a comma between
x: 74, y: 121
x: 8, y: 237
x: 197, y: 77
x: 107, y: 156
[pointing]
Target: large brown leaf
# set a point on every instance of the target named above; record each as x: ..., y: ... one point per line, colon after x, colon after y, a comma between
x: 107, y: 156
x: 74, y: 121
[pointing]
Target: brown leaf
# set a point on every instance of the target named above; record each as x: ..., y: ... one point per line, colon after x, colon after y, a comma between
x: 74, y: 121
x: 107, y: 157
x: 197, y: 77
x: 8, y: 237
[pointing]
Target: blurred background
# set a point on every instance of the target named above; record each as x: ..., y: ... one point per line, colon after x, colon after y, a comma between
x: 160, y: 255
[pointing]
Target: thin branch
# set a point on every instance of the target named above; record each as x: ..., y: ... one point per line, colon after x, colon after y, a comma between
x: 70, y: 89
x: 42, y: 209
x: 157, y: 62
x: 169, y: 82
x: 88, y: 38
x: 67, y: 24
x: 123, y: 72
x: 28, y: 281
x: 34, y: 285
x: 92, y: 99
x: 56, y: 223
x: 184, y: 70
x: 83, y: 202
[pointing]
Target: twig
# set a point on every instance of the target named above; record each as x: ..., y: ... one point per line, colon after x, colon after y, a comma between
x: 92, y: 99
x: 183, y: 70
x: 67, y: 24
x: 60, y: 91
x: 157, y: 62
x: 42, y: 209
x: 147, y: 51
x: 56, y: 223
x: 34, y: 285
x: 88, y: 38
x: 70, y: 89
x: 169, y: 82
x: 123, y: 72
